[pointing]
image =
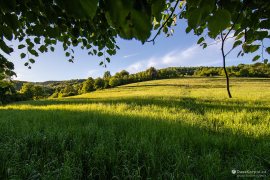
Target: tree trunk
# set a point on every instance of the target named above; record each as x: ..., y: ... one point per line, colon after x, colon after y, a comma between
x: 224, y: 68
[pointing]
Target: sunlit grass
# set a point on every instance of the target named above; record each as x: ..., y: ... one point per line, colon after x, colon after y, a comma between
x: 177, y: 128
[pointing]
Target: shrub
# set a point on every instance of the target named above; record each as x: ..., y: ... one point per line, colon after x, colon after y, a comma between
x: 114, y: 82
x: 99, y: 83
x: 87, y: 86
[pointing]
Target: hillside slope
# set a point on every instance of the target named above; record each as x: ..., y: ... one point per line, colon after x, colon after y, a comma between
x: 177, y: 128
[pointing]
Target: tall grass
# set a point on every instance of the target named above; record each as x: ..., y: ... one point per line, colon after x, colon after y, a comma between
x: 165, y: 129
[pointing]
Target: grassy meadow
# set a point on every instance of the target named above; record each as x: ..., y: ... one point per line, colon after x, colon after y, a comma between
x: 163, y: 129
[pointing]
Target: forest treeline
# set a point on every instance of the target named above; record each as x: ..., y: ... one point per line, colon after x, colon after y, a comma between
x: 11, y: 91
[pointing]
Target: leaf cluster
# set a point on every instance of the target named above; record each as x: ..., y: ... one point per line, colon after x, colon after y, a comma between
x: 246, y: 21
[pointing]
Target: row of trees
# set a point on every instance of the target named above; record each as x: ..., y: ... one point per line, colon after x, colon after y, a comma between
x: 242, y: 70
x: 17, y: 90
x: 29, y: 91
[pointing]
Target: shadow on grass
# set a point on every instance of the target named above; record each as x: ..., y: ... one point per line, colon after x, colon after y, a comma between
x: 66, y: 144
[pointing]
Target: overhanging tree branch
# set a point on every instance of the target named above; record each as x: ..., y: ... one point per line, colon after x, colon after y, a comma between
x: 163, y: 25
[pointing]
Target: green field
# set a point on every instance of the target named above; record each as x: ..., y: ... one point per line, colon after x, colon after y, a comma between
x: 164, y: 129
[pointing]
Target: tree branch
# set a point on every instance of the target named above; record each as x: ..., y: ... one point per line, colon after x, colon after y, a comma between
x: 153, y: 40
x: 262, y: 51
x: 225, y: 38
x: 218, y: 41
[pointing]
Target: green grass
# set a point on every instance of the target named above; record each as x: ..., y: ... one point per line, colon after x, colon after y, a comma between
x: 165, y: 129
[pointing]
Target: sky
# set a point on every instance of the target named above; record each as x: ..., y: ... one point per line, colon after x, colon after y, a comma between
x: 181, y: 49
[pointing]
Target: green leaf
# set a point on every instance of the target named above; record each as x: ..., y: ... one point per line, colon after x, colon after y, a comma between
x: 38, y: 30
x: 67, y: 54
x: 250, y: 48
x: 108, y: 60
x: 42, y: 48
x: 156, y: 26
x: 53, y: 41
x: 100, y: 54
x: 12, y: 21
x: 265, y: 24
x: 267, y: 50
x: 88, y: 46
x: 165, y: 29
x: 188, y: 29
x: 30, y: 44
x: 130, y: 22
x: 74, y: 42
x: 65, y: 47
x: 256, y: 58
x: 239, y: 36
x: 157, y: 7
x: 26, y: 64
x: 28, y: 41
x: 101, y: 63
x: 219, y: 21
x: 47, y: 41
x: 89, y: 7
x: 84, y: 42
x: 5, y: 48
x: 32, y: 61
x: 37, y: 40
x: 52, y: 32
x: 7, y: 31
x: 237, y: 43
x: 260, y: 35
x: 200, y: 40
x: 52, y: 49
x: 194, y: 18
x: 82, y: 9
x: 21, y: 46
x: 23, y: 55
x: 204, y: 45
x: 33, y: 52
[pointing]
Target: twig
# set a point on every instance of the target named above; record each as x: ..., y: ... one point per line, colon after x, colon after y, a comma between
x: 218, y: 41
x: 262, y: 50
x: 153, y: 40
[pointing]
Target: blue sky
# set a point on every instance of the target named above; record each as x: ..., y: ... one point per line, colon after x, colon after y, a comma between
x: 179, y: 50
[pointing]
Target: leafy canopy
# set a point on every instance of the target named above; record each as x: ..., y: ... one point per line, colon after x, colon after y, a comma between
x: 246, y: 21
x: 94, y: 24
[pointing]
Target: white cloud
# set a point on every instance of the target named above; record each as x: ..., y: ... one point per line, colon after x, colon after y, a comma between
x: 138, y: 66
x: 92, y: 73
x: 151, y: 63
x: 191, y: 56
x: 130, y: 55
